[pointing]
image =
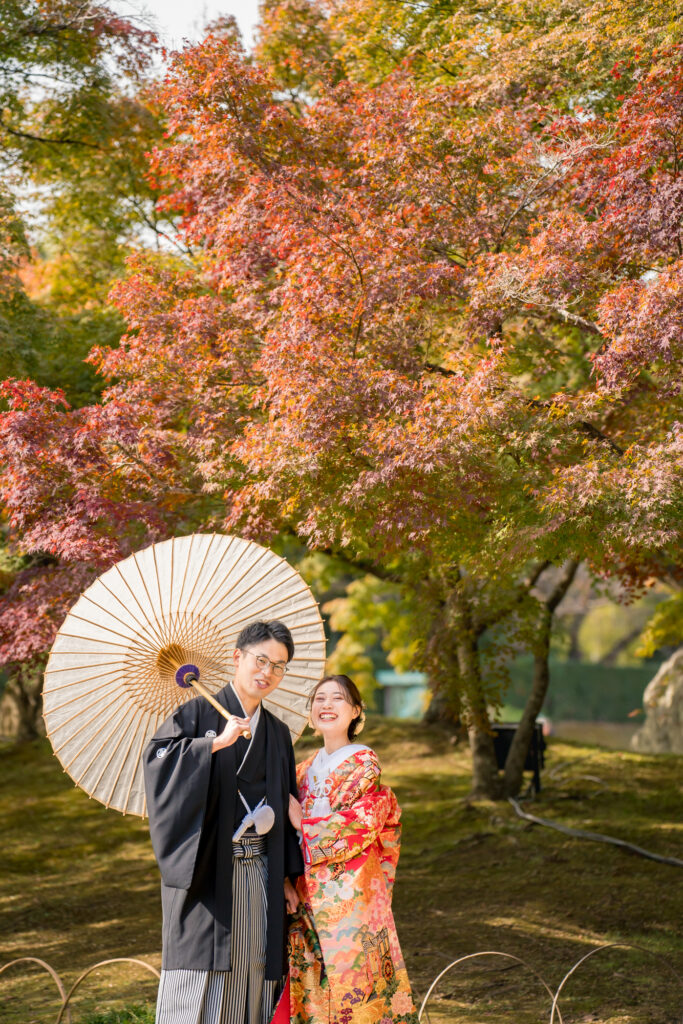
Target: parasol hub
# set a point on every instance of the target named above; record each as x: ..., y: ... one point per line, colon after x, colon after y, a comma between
x: 187, y: 675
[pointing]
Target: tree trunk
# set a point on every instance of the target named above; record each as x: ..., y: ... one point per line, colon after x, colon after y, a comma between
x: 486, y: 782
x: 440, y: 709
x: 441, y: 665
x: 25, y: 691
x: 514, y: 764
x: 519, y: 748
x: 611, y: 657
x: 574, y: 653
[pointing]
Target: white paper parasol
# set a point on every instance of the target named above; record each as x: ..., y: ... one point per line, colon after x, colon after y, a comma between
x: 111, y: 680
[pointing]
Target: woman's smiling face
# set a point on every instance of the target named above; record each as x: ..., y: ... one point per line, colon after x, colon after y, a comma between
x: 331, y: 711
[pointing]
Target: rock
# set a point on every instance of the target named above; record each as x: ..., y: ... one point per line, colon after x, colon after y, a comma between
x: 662, y: 731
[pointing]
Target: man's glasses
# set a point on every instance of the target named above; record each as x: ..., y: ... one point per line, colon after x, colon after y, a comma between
x: 276, y: 667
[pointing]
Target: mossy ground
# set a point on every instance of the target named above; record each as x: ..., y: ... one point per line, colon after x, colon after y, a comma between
x: 79, y: 885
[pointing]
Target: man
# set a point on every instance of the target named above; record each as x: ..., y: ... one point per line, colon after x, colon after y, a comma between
x: 208, y: 793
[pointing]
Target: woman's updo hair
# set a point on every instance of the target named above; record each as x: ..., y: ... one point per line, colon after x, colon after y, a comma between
x: 352, y: 696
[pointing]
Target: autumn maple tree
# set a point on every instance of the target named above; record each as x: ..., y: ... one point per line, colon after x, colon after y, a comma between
x: 76, y: 117
x: 428, y: 326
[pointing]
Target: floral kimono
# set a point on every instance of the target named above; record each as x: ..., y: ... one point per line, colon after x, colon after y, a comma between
x: 346, y: 965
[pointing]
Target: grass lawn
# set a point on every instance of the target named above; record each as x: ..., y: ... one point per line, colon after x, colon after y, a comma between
x: 79, y: 885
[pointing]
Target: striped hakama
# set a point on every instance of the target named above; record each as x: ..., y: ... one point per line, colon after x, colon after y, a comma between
x: 240, y: 995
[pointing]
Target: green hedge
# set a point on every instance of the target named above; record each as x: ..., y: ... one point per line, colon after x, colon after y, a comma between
x: 578, y: 691
x: 582, y: 691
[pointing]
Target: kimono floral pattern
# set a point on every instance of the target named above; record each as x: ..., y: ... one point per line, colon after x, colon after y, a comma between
x: 346, y: 965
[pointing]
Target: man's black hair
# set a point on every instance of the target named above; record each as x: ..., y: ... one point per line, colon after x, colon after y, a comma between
x: 257, y: 632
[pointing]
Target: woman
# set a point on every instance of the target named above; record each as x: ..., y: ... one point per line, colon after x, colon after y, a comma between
x: 346, y: 965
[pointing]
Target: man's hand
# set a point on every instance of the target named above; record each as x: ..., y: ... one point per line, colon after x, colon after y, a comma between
x: 291, y: 897
x: 233, y: 730
x: 295, y: 812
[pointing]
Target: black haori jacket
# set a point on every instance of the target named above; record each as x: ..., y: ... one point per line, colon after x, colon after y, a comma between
x: 191, y: 801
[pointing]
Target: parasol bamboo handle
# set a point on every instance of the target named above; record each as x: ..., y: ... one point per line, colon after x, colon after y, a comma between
x: 214, y: 703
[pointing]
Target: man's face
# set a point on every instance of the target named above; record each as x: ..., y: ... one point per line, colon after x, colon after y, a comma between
x: 252, y: 681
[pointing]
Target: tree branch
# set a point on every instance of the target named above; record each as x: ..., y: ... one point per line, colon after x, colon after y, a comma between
x: 435, y: 368
x: 562, y: 586
x: 588, y: 428
x: 63, y: 141
x: 362, y: 565
x: 584, y: 425
x: 517, y: 595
